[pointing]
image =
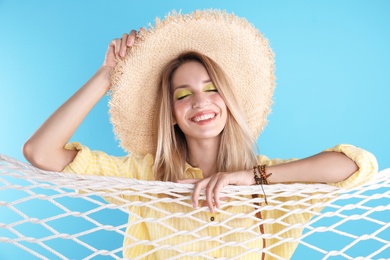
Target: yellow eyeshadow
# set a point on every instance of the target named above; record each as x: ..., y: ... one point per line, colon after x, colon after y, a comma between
x: 182, y: 93
x: 209, y: 87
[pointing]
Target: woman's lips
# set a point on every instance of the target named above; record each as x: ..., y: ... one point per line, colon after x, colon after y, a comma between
x: 202, y: 117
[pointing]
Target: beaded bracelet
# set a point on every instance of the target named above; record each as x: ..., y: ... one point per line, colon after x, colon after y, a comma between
x: 264, y: 175
x: 256, y: 175
x: 260, y: 175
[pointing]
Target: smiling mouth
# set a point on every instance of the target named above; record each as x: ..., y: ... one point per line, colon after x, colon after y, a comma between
x: 204, y: 117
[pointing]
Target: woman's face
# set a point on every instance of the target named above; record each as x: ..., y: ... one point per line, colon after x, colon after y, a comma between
x: 198, y: 109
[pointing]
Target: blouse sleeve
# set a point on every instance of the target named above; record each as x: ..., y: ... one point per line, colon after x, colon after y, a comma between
x: 99, y: 163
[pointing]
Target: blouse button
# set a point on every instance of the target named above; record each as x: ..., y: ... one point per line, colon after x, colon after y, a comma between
x: 212, y: 218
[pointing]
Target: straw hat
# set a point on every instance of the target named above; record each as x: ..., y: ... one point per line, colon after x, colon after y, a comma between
x: 241, y: 51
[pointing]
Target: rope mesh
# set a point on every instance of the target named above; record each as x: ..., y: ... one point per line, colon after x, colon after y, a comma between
x: 48, y: 213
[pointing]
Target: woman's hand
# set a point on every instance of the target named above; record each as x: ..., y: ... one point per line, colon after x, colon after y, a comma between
x: 118, y: 47
x: 215, y: 183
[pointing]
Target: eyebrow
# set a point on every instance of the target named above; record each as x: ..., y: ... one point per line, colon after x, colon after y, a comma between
x: 186, y: 85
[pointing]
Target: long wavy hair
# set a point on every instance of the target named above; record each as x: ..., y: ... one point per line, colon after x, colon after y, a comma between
x: 236, y: 151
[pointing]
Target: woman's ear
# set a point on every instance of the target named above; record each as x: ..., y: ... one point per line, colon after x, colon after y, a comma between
x: 174, y: 122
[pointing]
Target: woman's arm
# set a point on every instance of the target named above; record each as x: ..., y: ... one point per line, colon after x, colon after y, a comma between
x: 45, y: 148
x: 325, y: 167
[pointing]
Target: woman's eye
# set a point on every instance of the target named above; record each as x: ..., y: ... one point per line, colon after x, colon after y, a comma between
x: 182, y: 97
x: 181, y: 94
x: 210, y: 88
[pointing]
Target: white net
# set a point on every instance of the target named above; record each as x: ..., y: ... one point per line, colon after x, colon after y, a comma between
x: 42, y: 213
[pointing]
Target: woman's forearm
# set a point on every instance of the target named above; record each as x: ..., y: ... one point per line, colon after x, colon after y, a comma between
x: 325, y: 167
x: 45, y: 148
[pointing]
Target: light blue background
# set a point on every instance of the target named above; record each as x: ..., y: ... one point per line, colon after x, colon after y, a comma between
x: 332, y: 69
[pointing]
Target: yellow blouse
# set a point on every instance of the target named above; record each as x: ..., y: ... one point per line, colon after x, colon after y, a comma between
x: 99, y: 163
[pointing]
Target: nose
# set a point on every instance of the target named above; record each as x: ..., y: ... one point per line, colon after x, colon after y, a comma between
x: 200, y: 100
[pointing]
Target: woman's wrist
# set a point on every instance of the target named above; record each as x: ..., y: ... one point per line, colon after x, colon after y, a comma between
x: 103, y: 75
x: 251, y: 177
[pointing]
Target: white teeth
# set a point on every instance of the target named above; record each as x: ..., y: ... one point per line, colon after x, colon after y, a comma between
x: 203, y: 117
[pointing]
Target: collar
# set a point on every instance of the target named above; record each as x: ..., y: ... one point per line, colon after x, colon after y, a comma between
x: 191, y: 172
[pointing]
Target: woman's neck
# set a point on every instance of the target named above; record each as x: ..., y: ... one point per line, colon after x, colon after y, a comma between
x: 203, y: 155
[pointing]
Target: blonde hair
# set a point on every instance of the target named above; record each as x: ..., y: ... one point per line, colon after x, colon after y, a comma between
x: 236, y: 151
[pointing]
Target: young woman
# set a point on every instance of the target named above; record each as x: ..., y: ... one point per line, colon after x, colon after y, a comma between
x: 191, y: 114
